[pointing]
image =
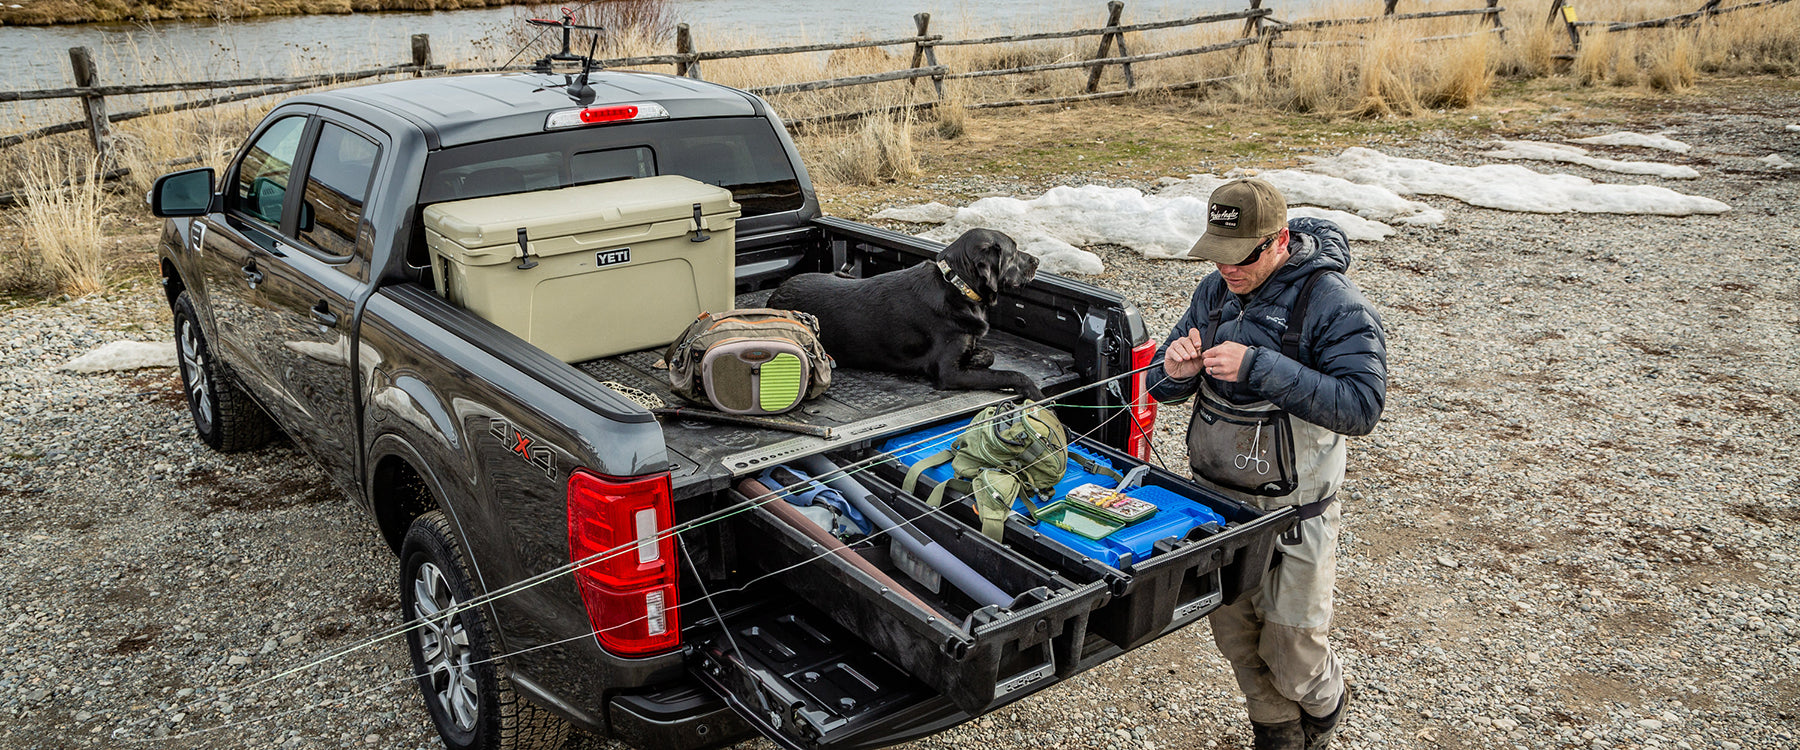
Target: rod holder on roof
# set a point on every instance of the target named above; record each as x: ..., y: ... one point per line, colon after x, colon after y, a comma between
x: 568, y: 25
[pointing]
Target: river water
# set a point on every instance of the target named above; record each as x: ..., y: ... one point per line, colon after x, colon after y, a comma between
x: 198, y: 50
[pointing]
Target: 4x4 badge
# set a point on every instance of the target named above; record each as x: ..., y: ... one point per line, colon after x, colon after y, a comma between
x: 524, y: 446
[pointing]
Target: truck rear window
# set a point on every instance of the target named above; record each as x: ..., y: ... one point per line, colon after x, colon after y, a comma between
x: 740, y: 154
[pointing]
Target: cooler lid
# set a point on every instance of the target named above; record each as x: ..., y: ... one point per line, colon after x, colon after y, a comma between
x: 496, y: 220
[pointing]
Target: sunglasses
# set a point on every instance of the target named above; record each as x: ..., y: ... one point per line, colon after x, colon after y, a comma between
x: 1256, y: 254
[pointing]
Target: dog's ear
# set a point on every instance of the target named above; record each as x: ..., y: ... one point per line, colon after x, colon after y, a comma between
x: 981, y: 260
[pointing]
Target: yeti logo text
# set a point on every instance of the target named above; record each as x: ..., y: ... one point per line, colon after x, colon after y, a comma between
x: 1223, y: 215
x: 525, y: 446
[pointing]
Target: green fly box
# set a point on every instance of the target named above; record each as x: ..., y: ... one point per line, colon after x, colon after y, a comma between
x: 1079, y: 518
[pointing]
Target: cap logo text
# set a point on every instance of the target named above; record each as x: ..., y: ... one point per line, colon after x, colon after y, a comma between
x: 1222, y: 215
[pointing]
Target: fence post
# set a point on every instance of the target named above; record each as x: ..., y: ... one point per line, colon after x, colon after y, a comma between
x: 1494, y: 16
x: 1113, y: 9
x: 686, y: 64
x: 421, y: 49
x: 926, y: 52
x: 1567, y: 12
x: 99, y: 129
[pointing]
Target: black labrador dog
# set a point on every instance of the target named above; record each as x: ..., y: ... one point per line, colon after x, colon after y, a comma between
x: 926, y: 320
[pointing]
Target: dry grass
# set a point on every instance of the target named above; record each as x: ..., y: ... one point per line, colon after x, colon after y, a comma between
x: 875, y: 151
x: 64, y: 202
x: 44, y: 12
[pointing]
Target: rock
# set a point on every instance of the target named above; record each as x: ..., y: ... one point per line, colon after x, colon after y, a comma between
x: 1447, y: 561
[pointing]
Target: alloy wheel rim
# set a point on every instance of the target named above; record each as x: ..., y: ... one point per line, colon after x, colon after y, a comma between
x: 193, y: 370
x: 444, y: 647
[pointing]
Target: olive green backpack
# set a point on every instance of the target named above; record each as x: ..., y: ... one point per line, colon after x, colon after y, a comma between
x: 1009, y: 451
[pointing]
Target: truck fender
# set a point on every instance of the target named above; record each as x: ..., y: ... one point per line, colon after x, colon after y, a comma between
x: 402, y: 486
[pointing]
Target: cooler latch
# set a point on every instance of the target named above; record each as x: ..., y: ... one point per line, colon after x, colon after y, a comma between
x: 525, y: 261
x: 700, y: 234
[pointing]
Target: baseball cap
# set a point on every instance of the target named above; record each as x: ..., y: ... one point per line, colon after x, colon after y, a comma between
x: 1238, y: 216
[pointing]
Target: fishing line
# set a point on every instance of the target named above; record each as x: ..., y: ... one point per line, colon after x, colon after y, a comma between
x: 706, y: 597
x: 598, y: 557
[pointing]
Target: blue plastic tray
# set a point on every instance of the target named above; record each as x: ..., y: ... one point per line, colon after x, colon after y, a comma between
x: 1175, y: 515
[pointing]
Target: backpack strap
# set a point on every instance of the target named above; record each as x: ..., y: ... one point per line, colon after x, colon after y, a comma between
x: 1213, y: 317
x: 912, y: 475
x: 1290, y: 338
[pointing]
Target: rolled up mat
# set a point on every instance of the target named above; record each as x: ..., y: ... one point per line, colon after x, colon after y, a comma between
x: 952, y: 568
x: 791, y: 516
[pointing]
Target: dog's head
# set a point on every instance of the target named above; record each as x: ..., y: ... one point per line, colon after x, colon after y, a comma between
x: 990, y: 262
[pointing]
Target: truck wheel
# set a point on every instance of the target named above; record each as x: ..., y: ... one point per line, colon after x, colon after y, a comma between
x: 224, y: 415
x: 465, y: 684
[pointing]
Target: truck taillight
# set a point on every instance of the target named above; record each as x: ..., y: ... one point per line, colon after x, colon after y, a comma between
x: 1142, y: 407
x: 628, y: 585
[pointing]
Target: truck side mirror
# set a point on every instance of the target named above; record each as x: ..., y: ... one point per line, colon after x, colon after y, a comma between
x: 187, y: 193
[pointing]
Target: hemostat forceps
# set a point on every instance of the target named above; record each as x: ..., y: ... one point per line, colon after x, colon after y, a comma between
x: 1255, y: 457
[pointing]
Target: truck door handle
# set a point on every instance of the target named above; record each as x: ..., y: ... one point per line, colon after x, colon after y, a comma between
x: 252, y: 275
x: 323, y: 315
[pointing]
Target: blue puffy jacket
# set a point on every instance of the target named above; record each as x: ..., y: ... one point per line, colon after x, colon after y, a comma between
x: 1340, y: 382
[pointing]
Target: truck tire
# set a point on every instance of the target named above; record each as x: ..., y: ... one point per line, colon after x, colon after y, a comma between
x: 224, y: 415
x: 464, y: 682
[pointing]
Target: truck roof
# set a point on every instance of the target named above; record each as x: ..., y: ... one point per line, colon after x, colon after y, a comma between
x: 456, y: 110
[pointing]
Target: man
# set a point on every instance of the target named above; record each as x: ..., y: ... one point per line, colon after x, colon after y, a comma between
x: 1255, y: 401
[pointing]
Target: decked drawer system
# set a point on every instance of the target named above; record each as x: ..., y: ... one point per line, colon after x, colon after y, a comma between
x: 827, y: 654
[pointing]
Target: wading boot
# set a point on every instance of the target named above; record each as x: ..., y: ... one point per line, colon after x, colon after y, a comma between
x: 1320, y: 730
x: 1284, y: 736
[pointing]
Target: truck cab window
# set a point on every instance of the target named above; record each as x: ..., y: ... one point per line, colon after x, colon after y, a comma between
x: 740, y: 154
x: 261, y: 185
x: 611, y: 164
x: 337, y: 184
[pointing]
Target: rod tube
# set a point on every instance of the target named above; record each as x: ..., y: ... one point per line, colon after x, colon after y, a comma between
x: 792, y: 517
x: 948, y: 565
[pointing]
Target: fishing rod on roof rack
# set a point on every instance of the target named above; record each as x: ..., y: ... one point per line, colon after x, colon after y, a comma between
x: 548, y: 63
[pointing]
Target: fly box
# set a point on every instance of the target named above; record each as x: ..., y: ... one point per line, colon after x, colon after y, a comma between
x: 593, y: 270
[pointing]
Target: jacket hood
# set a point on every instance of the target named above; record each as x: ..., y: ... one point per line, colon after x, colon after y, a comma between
x: 1314, y: 244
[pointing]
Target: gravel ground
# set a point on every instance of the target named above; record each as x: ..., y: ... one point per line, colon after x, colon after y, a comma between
x: 1571, y: 530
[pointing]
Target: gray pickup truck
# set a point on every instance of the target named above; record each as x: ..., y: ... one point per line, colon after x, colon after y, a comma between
x: 303, y: 298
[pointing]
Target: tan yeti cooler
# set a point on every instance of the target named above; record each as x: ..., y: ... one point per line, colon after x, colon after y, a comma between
x: 605, y: 269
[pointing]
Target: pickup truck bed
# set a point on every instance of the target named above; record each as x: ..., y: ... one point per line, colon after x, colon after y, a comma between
x: 860, y: 405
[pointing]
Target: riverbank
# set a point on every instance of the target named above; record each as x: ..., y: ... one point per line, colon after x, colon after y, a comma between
x: 52, y: 12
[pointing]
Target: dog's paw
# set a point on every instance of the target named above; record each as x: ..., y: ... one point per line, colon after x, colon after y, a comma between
x: 978, y: 358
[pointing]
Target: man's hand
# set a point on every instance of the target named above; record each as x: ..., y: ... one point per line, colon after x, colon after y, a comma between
x: 1222, y: 362
x: 1182, y: 359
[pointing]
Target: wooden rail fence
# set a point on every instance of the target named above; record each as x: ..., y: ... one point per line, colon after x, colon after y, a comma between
x: 1563, y: 11
x: 1115, y: 40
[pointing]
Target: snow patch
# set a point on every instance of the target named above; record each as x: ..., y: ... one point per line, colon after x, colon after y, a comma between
x: 1641, y: 140
x: 1073, y: 217
x: 1556, y: 152
x: 1774, y: 161
x: 1793, y: 128
x: 1510, y: 187
x: 1313, y: 189
x: 124, y: 355
x: 1355, y: 227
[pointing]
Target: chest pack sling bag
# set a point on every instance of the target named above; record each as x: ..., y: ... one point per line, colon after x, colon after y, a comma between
x: 754, y: 361
x: 1009, y: 452
x: 1250, y: 447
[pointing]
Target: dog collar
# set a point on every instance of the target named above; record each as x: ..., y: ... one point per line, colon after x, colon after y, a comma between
x: 956, y: 281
